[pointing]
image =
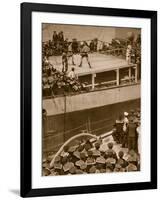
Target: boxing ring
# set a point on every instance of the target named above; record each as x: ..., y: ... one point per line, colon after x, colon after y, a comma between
x: 99, y: 62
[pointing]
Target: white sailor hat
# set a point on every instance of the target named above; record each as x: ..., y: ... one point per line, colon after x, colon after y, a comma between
x: 126, y: 114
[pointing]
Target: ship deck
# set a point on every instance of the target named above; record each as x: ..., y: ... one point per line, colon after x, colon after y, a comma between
x: 99, y: 63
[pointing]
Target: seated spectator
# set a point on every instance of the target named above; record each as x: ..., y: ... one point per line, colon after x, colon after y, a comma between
x: 133, y: 157
x: 110, y: 153
x: 65, y: 45
x: 121, y: 161
x: 72, y: 74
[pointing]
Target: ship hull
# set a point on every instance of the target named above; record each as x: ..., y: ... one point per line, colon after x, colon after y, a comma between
x: 95, y: 111
x: 88, y: 100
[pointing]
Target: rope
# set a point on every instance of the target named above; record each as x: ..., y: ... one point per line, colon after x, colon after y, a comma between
x: 77, y: 128
x: 99, y: 128
x: 67, y: 142
x: 106, y: 119
x: 68, y: 131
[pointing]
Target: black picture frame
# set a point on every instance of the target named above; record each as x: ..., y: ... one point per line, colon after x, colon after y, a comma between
x: 26, y: 103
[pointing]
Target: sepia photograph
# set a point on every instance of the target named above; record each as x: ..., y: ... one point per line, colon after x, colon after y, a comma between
x: 88, y: 99
x: 91, y: 99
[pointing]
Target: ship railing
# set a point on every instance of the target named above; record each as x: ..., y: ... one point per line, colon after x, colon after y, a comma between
x: 119, y: 81
x: 106, y: 83
x: 128, y: 79
x: 115, y: 52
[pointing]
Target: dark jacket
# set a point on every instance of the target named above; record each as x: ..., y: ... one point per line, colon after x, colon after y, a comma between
x: 132, y: 129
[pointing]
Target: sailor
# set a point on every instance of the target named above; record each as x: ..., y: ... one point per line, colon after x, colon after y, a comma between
x: 67, y: 166
x: 110, y: 153
x: 88, y: 145
x: 121, y: 161
x: 117, y: 168
x: 117, y: 133
x: 72, y: 170
x: 132, y: 135
x: 84, y: 54
x: 125, y: 130
x: 126, y: 121
x: 133, y: 157
x: 101, y: 163
x: 92, y: 170
x: 133, y: 161
x: 57, y: 164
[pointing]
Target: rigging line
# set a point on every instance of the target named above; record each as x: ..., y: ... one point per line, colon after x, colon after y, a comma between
x: 61, y: 133
x: 100, y: 128
x: 78, y: 127
x: 95, y: 122
x: 64, y: 116
x: 83, y: 125
x: 68, y: 131
x: 88, y: 40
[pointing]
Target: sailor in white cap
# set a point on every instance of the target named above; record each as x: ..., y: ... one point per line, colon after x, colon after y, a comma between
x: 126, y: 114
x: 125, y: 129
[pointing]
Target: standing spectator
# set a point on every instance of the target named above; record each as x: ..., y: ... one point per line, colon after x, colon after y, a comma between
x: 60, y: 42
x: 126, y: 121
x: 64, y: 62
x: 75, y: 46
x: 128, y: 54
x: 54, y: 41
x: 61, y: 37
x: 125, y: 130
x: 65, y: 45
x: 118, y: 129
x: 132, y: 137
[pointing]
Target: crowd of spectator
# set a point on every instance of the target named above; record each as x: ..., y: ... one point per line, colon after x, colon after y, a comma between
x: 87, y: 158
x: 59, y: 44
x: 84, y: 156
x: 55, y: 82
x: 125, y: 131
